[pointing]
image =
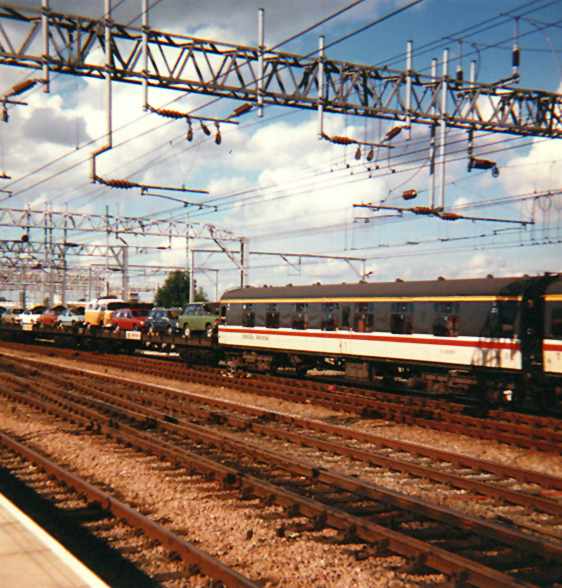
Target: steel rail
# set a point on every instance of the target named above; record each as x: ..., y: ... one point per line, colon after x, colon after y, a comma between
x: 531, y: 432
x: 405, y: 410
x: 188, y: 552
x: 200, y: 434
x: 137, y: 404
x: 461, y: 570
x: 445, y: 456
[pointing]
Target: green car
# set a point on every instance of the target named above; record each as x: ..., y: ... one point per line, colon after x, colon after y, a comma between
x: 198, y: 318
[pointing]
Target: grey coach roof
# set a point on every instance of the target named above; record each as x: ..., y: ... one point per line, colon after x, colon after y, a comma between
x: 465, y: 287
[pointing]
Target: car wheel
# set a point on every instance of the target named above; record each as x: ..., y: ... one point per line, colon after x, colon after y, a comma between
x: 209, y: 330
x: 116, y: 329
x: 187, y: 332
x: 170, y: 330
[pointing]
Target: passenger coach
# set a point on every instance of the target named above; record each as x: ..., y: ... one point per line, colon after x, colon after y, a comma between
x: 501, y: 337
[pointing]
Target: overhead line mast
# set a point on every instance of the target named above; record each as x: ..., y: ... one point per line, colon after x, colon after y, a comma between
x: 184, y: 63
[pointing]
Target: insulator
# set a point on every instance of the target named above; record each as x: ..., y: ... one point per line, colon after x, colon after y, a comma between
x: 516, y: 57
x: 409, y: 194
x: 422, y: 210
x: 5, y: 115
x: 189, y: 135
x: 371, y: 154
x: 25, y: 238
x: 460, y: 75
x: 449, y: 216
x: 120, y: 184
x: 392, y: 133
x: 358, y: 153
x: 475, y: 163
x: 218, y: 138
x: 169, y: 113
x: 341, y: 140
x: 205, y: 129
x: 242, y: 109
x: 21, y: 87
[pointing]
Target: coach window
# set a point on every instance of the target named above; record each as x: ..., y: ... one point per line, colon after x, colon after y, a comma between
x: 272, y: 316
x: 329, y: 312
x: 248, y: 315
x: 502, y: 318
x: 364, y: 318
x: 401, y: 315
x: 345, y: 317
x: 300, y: 316
x: 446, y: 319
x: 556, y: 323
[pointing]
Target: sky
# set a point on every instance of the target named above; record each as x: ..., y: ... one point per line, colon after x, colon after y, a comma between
x: 273, y: 180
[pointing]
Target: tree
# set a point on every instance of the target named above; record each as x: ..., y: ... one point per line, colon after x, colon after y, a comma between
x: 175, y: 291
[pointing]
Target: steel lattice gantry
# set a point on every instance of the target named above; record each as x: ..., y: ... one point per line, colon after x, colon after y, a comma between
x: 62, y: 220
x: 41, y: 39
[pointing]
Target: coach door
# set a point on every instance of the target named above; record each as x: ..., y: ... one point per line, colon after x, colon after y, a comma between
x: 532, y: 326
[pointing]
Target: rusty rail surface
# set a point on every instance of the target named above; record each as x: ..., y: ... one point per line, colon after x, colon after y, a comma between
x: 529, y: 431
x: 188, y: 552
x: 255, y: 422
x: 503, y: 470
x: 405, y: 410
x: 328, y: 480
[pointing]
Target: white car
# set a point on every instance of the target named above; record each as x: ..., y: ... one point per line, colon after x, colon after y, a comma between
x: 30, y: 317
x: 12, y: 316
x: 71, y: 317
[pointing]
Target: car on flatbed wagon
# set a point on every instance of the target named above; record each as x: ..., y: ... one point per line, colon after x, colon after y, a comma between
x: 198, y: 318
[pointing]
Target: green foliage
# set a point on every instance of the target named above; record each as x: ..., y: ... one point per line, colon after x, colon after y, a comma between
x: 175, y: 291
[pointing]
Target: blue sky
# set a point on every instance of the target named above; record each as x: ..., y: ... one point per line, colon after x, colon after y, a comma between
x: 276, y: 183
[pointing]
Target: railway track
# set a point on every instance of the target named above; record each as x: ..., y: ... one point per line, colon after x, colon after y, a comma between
x: 431, y: 536
x: 522, y: 430
x: 93, y: 504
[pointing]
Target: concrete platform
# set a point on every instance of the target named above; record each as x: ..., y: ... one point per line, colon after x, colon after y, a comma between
x: 31, y: 558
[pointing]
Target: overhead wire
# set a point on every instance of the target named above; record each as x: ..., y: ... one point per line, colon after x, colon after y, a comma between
x: 213, y: 101
x: 197, y: 108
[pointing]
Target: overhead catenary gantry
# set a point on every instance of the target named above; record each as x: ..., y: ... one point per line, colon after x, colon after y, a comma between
x: 54, y: 42
x: 76, y: 45
x: 46, y: 238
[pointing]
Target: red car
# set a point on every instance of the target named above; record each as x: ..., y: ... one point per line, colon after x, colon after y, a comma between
x: 129, y: 319
x: 49, y: 318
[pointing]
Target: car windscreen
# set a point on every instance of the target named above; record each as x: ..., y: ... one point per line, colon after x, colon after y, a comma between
x: 140, y: 312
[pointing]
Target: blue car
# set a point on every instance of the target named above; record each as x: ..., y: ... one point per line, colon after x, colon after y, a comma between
x: 162, y: 321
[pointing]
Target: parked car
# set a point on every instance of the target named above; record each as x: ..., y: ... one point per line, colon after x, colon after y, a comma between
x: 50, y: 317
x: 71, y: 317
x: 198, y: 318
x: 130, y: 319
x: 30, y: 317
x: 12, y: 316
x: 98, y: 312
x: 162, y: 320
